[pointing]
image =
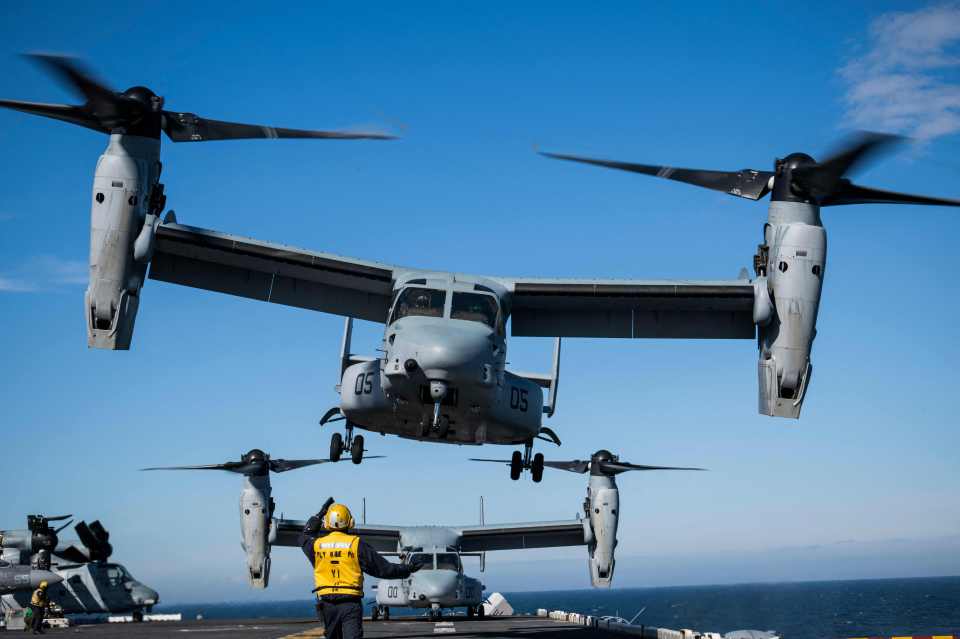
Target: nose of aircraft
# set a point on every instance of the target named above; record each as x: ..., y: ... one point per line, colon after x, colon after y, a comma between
x: 36, y: 576
x: 435, y: 584
x: 144, y: 596
x: 444, y: 348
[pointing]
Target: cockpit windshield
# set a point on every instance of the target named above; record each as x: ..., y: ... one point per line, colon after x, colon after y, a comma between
x: 475, y: 307
x: 422, y: 559
x: 427, y: 302
x: 448, y: 561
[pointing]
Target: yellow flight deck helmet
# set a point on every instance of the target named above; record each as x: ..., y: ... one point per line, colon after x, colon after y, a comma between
x: 44, y: 584
x: 338, y: 518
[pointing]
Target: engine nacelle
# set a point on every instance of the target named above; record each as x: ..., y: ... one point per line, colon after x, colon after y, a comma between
x: 602, y: 508
x: 126, y: 174
x: 256, y: 528
x: 797, y: 252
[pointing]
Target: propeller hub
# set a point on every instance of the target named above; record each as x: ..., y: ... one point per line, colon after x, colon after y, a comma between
x: 146, y: 97
x: 785, y: 187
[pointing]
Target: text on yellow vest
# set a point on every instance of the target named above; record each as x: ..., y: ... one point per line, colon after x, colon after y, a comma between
x: 336, y: 565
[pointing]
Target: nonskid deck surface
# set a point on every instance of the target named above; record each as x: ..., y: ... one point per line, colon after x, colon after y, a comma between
x: 490, y: 628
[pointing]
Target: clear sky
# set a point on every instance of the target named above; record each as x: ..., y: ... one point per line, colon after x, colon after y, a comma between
x: 865, y: 484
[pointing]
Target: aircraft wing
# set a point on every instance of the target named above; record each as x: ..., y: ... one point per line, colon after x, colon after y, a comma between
x: 331, y: 283
x: 542, y: 534
x: 271, y: 272
x: 382, y: 538
x: 632, y: 308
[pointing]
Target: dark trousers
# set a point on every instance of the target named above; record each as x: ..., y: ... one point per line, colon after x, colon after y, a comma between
x: 36, y: 618
x: 342, y: 618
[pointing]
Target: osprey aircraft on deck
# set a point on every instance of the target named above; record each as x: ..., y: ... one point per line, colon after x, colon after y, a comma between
x: 441, y: 375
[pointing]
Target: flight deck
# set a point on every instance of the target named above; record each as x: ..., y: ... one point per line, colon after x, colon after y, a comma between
x: 489, y: 628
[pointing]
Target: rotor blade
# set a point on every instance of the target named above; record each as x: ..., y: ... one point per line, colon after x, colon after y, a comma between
x: 101, y: 533
x: 747, y: 183
x: 849, y: 193
x: 63, y: 112
x: 622, y: 467
x: 100, y: 98
x: 494, y: 461
x: 856, y: 151
x: 86, y: 536
x: 283, y: 465
x: 72, y: 554
x: 189, y: 127
x: 57, y: 530
x: 822, y: 180
x: 233, y: 467
x: 575, y: 466
x: 58, y: 518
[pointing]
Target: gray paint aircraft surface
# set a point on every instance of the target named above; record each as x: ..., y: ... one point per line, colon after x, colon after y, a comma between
x: 15, y: 577
x: 84, y: 580
x: 442, y: 372
x: 444, y: 584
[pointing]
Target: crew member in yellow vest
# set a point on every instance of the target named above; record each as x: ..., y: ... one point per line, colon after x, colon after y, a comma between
x: 339, y: 560
x: 38, y: 606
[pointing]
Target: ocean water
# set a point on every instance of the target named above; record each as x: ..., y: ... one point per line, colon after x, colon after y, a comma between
x: 807, y: 610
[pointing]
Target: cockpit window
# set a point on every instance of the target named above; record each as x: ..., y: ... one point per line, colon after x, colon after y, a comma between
x: 475, y: 307
x: 419, y: 301
x: 422, y: 559
x: 448, y: 561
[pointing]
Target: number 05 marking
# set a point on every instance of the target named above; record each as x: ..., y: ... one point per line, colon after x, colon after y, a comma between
x: 364, y: 384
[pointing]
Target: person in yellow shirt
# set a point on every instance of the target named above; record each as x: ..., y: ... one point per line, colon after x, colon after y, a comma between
x: 339, y: 560
x: 38, y: 606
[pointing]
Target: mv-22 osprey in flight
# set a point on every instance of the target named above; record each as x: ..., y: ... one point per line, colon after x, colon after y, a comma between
x: 442, y: 372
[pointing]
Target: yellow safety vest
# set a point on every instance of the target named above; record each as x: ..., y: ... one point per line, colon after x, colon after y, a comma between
x: 39, y: 598
x: 336, y: 565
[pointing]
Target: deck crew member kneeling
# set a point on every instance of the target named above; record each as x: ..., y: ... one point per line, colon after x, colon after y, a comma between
x: 339, y: 560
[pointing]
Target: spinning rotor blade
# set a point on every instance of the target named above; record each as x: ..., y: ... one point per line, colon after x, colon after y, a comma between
x: 233, y: 467
x: 100, y: 98
x: 849, y: 193
x: 614, y: 468
x: 189, y: 127
x: 494, y: 461
x: 96, y: 539
x: 575, y: 466
x: 138, y: 111
x: 821, y: 179
x: 64, y: 112
x: 283, y: 465
x: 746, y: 183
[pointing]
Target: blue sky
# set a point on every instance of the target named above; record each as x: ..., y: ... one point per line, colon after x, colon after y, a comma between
x: 870, y: 470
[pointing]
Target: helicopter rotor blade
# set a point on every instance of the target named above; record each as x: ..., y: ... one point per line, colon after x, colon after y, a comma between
x: 746, y: 183
x: 573, y: 466
x: 189, y: 127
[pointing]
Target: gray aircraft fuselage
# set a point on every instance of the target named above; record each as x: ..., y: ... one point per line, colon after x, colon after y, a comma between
x: 442, y: 375
x: 440, y: 583
x: 16, y: 578
x: 97, y: 587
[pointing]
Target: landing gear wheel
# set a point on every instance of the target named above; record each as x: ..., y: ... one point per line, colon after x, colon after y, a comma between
x: 375, y: 613
x: 336, y: 447
x: 516, y: 465
x: 137, y: 616
x: 386, y: 613
x: 356, y: 449
x: 481, y: 612
x: 470, y: 611
x: 536, y: 469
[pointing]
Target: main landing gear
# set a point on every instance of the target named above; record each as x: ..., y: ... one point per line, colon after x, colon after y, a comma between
x: 380, y: 612
x: 340, y: 444
x: 353, y: 443
x: 523, y: 461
